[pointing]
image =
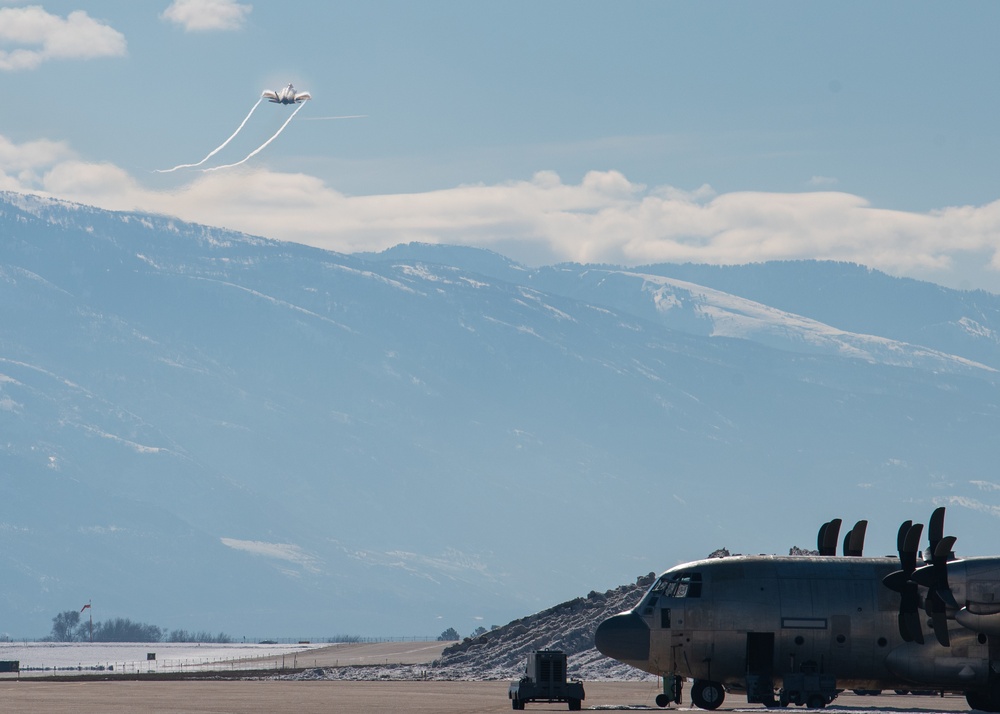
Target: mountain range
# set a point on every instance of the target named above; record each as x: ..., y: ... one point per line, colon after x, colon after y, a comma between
x: 209, y: 430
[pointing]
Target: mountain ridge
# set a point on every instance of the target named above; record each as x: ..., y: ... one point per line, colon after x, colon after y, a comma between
x: 212, y: 430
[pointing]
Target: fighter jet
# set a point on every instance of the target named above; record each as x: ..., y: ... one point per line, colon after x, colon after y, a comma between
x: 288, y: 95
x: 799, y: 629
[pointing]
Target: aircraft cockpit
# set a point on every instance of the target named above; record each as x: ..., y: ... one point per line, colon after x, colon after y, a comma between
x: 684, y: 584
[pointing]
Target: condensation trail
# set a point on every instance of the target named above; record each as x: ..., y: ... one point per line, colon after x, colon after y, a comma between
x: 349, y: 116
x: 262, y: 146
x: 217, y: 150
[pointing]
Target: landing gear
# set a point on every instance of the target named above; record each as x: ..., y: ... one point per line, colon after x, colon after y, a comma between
x: 983, y: 701
x: 816, y: 701
x: 707, y: 695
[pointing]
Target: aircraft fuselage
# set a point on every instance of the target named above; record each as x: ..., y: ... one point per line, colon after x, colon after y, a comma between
x: 719, y: 620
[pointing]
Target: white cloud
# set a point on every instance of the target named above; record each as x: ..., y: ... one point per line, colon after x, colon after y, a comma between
x: 603, y: 218
x: 45, y: 37
x: 970, y: 503
x: 18, y: 163
x: 202, y: 15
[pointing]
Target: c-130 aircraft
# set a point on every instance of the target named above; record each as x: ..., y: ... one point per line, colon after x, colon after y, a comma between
x: 798, y: 629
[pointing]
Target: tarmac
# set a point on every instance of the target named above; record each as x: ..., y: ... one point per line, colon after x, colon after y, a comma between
x: 162, y: 695
x: 308, y: 697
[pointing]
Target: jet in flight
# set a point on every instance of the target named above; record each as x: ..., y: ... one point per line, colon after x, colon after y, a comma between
x: 288, y: 95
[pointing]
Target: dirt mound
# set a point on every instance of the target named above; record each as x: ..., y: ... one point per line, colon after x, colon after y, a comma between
x: 501, y: 653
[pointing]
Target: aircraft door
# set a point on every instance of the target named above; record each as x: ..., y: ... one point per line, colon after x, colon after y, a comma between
x: 669, y: 634
x: 760, y: 667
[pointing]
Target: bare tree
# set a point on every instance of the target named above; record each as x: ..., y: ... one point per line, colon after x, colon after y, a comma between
x: 64, y: 626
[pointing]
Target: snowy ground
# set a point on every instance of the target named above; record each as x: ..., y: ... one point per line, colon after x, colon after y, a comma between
x: 133, y: 657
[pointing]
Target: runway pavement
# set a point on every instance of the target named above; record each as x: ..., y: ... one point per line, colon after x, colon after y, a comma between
x: 308, y: 697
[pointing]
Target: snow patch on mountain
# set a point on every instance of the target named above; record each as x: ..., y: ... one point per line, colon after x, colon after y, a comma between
x: 735, y: 317
x: 277, y: 551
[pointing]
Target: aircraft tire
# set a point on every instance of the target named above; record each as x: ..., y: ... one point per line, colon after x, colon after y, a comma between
x: 982, y: 701
x: 816, y: 701
x: 662, y: 701
x: 707, y: 695
x: 574, y: 705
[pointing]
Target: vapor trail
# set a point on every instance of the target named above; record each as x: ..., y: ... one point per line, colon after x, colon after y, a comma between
x: 262, y: 146
x: 349, y: 116
x: 217, y: 150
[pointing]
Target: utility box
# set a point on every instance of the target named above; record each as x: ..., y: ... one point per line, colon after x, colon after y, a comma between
x: 545, y: 680
x: 10, y: 665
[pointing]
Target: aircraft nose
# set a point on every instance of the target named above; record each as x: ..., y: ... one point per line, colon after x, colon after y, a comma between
x: 624, y: 637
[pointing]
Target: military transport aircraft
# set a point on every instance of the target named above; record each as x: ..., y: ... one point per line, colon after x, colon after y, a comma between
x: 288, y: 95
x: 798, y: 629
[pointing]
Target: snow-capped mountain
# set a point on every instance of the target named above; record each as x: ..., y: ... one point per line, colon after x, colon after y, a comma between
x: 209, y: 430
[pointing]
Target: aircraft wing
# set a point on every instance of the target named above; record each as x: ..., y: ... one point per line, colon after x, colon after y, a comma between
x: 273, y: 96
x: 303, y: 96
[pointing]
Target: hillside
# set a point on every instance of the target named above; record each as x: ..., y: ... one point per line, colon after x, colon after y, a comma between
x: 501, y: 653
x: 569, y: 626
x: 208, y: 430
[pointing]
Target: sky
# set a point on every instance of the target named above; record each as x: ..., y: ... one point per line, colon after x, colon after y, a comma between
x: 625, y: 131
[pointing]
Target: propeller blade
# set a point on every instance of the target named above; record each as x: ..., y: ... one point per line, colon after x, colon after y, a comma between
x: 911, y: 546
x: 941, y: 556
x: 925, y: 576
x: 939, y: 618
x: 935, y: 528
x: 935, y: 577
x: 907, y: 543
x: 896, y: 581
x: 854, y: 541
x: 909, y: 624
x: 904, y: 528
x: 831, y: 534
x: 942, y: 551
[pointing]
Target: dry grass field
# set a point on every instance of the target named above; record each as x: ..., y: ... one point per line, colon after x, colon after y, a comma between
x: 372, y: 654
x: 362, y: 654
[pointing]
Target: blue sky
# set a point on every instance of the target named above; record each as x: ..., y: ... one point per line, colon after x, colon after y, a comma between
x: 627, y: 132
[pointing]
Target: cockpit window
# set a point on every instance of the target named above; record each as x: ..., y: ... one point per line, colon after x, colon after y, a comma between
x: 678, y: 585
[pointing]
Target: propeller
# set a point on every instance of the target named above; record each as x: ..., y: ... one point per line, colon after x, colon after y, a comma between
x: 826, y: 539
x: 940, y: 600
x: 907, y: 543
x: 854, y: 541
x: 934, y: 577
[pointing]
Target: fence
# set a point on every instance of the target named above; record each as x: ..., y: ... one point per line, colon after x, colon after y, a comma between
x: 324, y: 639
x: 267, y: 663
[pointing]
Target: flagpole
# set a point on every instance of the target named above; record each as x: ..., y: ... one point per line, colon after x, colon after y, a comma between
x: 88, y: 607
